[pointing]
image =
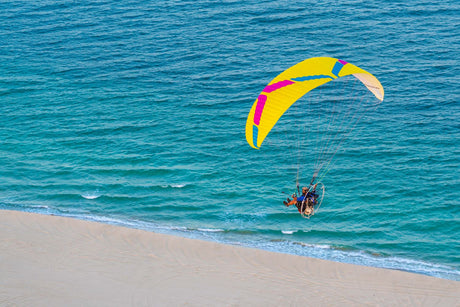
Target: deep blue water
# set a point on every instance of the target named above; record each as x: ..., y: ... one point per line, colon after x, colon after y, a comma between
x: 133, y: 113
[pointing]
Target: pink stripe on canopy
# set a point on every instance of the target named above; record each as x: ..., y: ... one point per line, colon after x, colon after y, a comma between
x: 273, y: 87
x: 259, y: 108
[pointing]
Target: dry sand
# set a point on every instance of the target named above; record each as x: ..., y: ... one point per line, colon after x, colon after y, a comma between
x: 57, y: 261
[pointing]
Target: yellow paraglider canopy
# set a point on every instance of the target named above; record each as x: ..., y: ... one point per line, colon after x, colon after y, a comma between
x: 292, y: 84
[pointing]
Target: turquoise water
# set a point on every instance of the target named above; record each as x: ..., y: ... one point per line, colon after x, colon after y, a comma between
x: 133, y: 113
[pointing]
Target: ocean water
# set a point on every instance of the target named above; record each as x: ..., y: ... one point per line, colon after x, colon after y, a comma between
x: 133, y: 113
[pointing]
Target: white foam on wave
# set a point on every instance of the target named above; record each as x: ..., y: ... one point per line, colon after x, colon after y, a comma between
x: 106, y: 220
x: 90, y: 196
x: 287, y: 232
x: 210, y: 230
x: 166, y: 228
x: 174, y: 185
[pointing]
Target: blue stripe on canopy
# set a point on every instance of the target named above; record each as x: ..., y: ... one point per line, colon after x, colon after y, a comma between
x: 306, y: 78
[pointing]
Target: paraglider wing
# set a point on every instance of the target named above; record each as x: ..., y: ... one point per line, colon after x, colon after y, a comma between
x: 289, y: 86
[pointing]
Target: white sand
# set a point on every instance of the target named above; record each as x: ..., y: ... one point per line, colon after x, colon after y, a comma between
x: 56, y: 261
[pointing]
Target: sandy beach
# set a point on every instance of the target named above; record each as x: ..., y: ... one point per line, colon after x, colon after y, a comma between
x: 57, y: 261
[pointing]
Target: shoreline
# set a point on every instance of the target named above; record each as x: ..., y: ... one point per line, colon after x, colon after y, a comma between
x: 53, y: 260
x: 294, y: 247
